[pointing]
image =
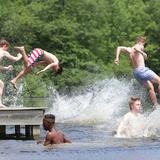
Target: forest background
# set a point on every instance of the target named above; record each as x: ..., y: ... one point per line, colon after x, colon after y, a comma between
x: 83, y: 34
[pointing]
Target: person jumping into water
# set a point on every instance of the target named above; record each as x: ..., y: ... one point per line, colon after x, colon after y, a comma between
x: 143, y: 74
x: 4, y: 46
x: 37, y: 57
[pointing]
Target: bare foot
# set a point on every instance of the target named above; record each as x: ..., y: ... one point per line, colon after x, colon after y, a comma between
x: 14, y: 84
x: 21, y: 49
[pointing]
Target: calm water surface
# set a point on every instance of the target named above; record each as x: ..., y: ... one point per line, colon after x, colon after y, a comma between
x: 88, y: 143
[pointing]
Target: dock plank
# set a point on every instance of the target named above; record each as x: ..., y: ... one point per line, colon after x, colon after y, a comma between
x: 21, y: 116
x: 29, y: 117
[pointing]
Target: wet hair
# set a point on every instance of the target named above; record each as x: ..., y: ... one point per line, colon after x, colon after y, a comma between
x: 140, y: 39
x: 4, y: 42
x: 60, y: 70
x: 132, y: 100
x: 48, y: 121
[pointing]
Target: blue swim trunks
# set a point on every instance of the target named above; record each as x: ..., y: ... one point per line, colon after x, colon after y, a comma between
x: 143, y: 74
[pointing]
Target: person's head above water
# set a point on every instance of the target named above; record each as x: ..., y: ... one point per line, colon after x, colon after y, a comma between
x: 135, y: 104
x: 48, y: 122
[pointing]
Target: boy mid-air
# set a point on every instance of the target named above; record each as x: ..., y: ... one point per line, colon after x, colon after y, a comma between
x: 37, y: 57
x: 143, y: 74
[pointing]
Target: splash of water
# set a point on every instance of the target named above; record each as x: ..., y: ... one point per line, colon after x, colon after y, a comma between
x: 104, y: 104
x: 144, y: 125
x: 105, y: 101
x: 132, y: 127
x: 14, y: 98
x: 152, y: 124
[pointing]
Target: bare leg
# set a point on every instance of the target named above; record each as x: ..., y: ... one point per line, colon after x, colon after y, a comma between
x: 25, y: 57
x: 152, y: 93
x: 1, y: 93
x: 25, y: 71
x: 157, y: 80
x: 20, y: 75
x: 26, y: 68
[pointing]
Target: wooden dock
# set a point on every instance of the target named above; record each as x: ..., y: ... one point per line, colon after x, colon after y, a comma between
x: 23, y: 123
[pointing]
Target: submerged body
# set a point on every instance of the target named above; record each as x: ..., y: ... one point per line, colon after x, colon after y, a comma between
x: 130, y: 119
x: 53, y: 135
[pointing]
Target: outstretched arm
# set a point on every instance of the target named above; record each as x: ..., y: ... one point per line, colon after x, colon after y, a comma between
x: 8, y: 68
x: 123, y: 124
x: 121, y: 127
x: 47, y: 67
x: 120, y: 49
x: 13, y: 58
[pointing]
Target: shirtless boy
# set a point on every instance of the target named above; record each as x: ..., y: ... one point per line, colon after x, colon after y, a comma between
x: 37, y: 56
x: 53, y: 136
x: 143, y: 74
x: 135, y: 106
x: 4, y: 45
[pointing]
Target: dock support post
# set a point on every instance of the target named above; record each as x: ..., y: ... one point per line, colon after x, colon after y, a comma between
x: 28, y: 117
x: 36, y: 131
x: 2, y: 130
x: 17, y: 131
x: 27, y: 131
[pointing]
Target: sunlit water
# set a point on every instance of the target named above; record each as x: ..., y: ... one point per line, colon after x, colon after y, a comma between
x: 89, y: 119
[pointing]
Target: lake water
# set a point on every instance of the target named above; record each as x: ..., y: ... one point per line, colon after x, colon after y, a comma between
x: 89, y: 120
x: 88, y: 143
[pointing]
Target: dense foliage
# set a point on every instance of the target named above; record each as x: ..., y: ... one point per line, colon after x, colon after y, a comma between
x: 83, y: 34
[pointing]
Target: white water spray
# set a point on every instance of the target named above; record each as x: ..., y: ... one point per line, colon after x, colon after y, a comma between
x: 104, y: 104
x: 14, y: 98
x: 105, y: 101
